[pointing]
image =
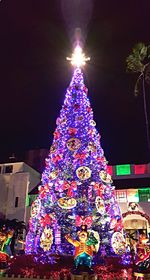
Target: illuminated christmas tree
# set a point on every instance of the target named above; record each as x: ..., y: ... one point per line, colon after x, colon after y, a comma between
x: 76, y: 188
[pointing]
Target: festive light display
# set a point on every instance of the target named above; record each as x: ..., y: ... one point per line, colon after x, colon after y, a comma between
x: 123, y: 169
x: 76, y: 188
x: 140, y: 169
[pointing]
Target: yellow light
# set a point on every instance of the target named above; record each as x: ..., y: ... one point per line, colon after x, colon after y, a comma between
x: 78, y: 58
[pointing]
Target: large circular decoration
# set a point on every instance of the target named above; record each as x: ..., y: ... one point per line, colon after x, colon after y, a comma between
x: 64, y: 120
x: 35, y: 208
x: 118, y: 243
x: 67, y: 202
x: 79, y: 118
x: 73, y: 144
x: 92, y: 123
x: 105, y: 177
x: 92, y: 147
x: 53, y: 174
x: 100, y: 206
x: 83, y: 173
x: 53, y: 148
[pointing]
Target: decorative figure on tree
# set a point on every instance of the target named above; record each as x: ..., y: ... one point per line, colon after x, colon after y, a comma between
x: 76, y: 188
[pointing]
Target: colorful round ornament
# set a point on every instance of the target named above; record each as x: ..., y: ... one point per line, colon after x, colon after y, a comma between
x: 79, y: 118
x: 100, y: 206
x: 83, y: 173
x: 92, y: 147
x: 118, y: 243
x: 92, y: 123
x: 67, y: 202
x: 53, y: 148
x: 76, y: 107
x: 35, y: 208
x: 64, y: 120
x: 72, y: 130
x: 53, y: 174
x: 73, y: 144
x: 105, y: 177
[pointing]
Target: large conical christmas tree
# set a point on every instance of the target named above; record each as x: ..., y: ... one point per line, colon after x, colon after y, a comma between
x: 76, y: 188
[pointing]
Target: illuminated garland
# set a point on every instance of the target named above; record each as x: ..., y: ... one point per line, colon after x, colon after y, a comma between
x: 137, y: 213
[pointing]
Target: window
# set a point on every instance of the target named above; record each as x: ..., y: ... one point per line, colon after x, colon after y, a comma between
x: 121, y: 196
x: 144, y: 195
x: 8, y: 169
x: 16, y: 201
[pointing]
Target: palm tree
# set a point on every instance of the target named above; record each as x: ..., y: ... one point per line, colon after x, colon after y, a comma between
x: 139, y: 62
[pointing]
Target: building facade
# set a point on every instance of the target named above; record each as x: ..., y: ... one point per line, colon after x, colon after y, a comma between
x: 16, y: 181
x: 19, y: 187
x: 133, y: 195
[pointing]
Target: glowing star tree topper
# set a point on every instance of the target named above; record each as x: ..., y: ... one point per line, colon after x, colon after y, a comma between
x: 78, y: 58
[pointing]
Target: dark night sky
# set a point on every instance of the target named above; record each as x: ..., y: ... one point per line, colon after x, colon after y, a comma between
x: 35, y: 38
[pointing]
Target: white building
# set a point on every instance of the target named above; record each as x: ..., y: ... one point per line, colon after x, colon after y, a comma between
x: 16, y: 181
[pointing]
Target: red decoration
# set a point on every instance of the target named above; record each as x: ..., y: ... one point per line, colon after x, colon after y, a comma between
x: 71, y: 187
x: 89, y: 109
x: 91, y: 131
x: 85, y: 89
x: 116, y: 225
x: 3, y: 257
x: 56, y: 135
x: 43, y: 194
x: 80, y: 220
x: 43, y: 190
x: 101, y: 159
x: 143, y: 253
x: 76, y: 107
x: 46, y: 220
x: 72, y: 131
x: 56, y: 158
x: 80, y: 157
x: 99, y: 189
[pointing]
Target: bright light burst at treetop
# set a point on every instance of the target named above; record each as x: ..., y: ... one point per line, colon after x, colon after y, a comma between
x: 78, y: 58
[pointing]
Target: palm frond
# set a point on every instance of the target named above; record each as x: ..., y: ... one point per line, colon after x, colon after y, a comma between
x: 134, y: 64
x: 140, y: 51
x: 135, y: 59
